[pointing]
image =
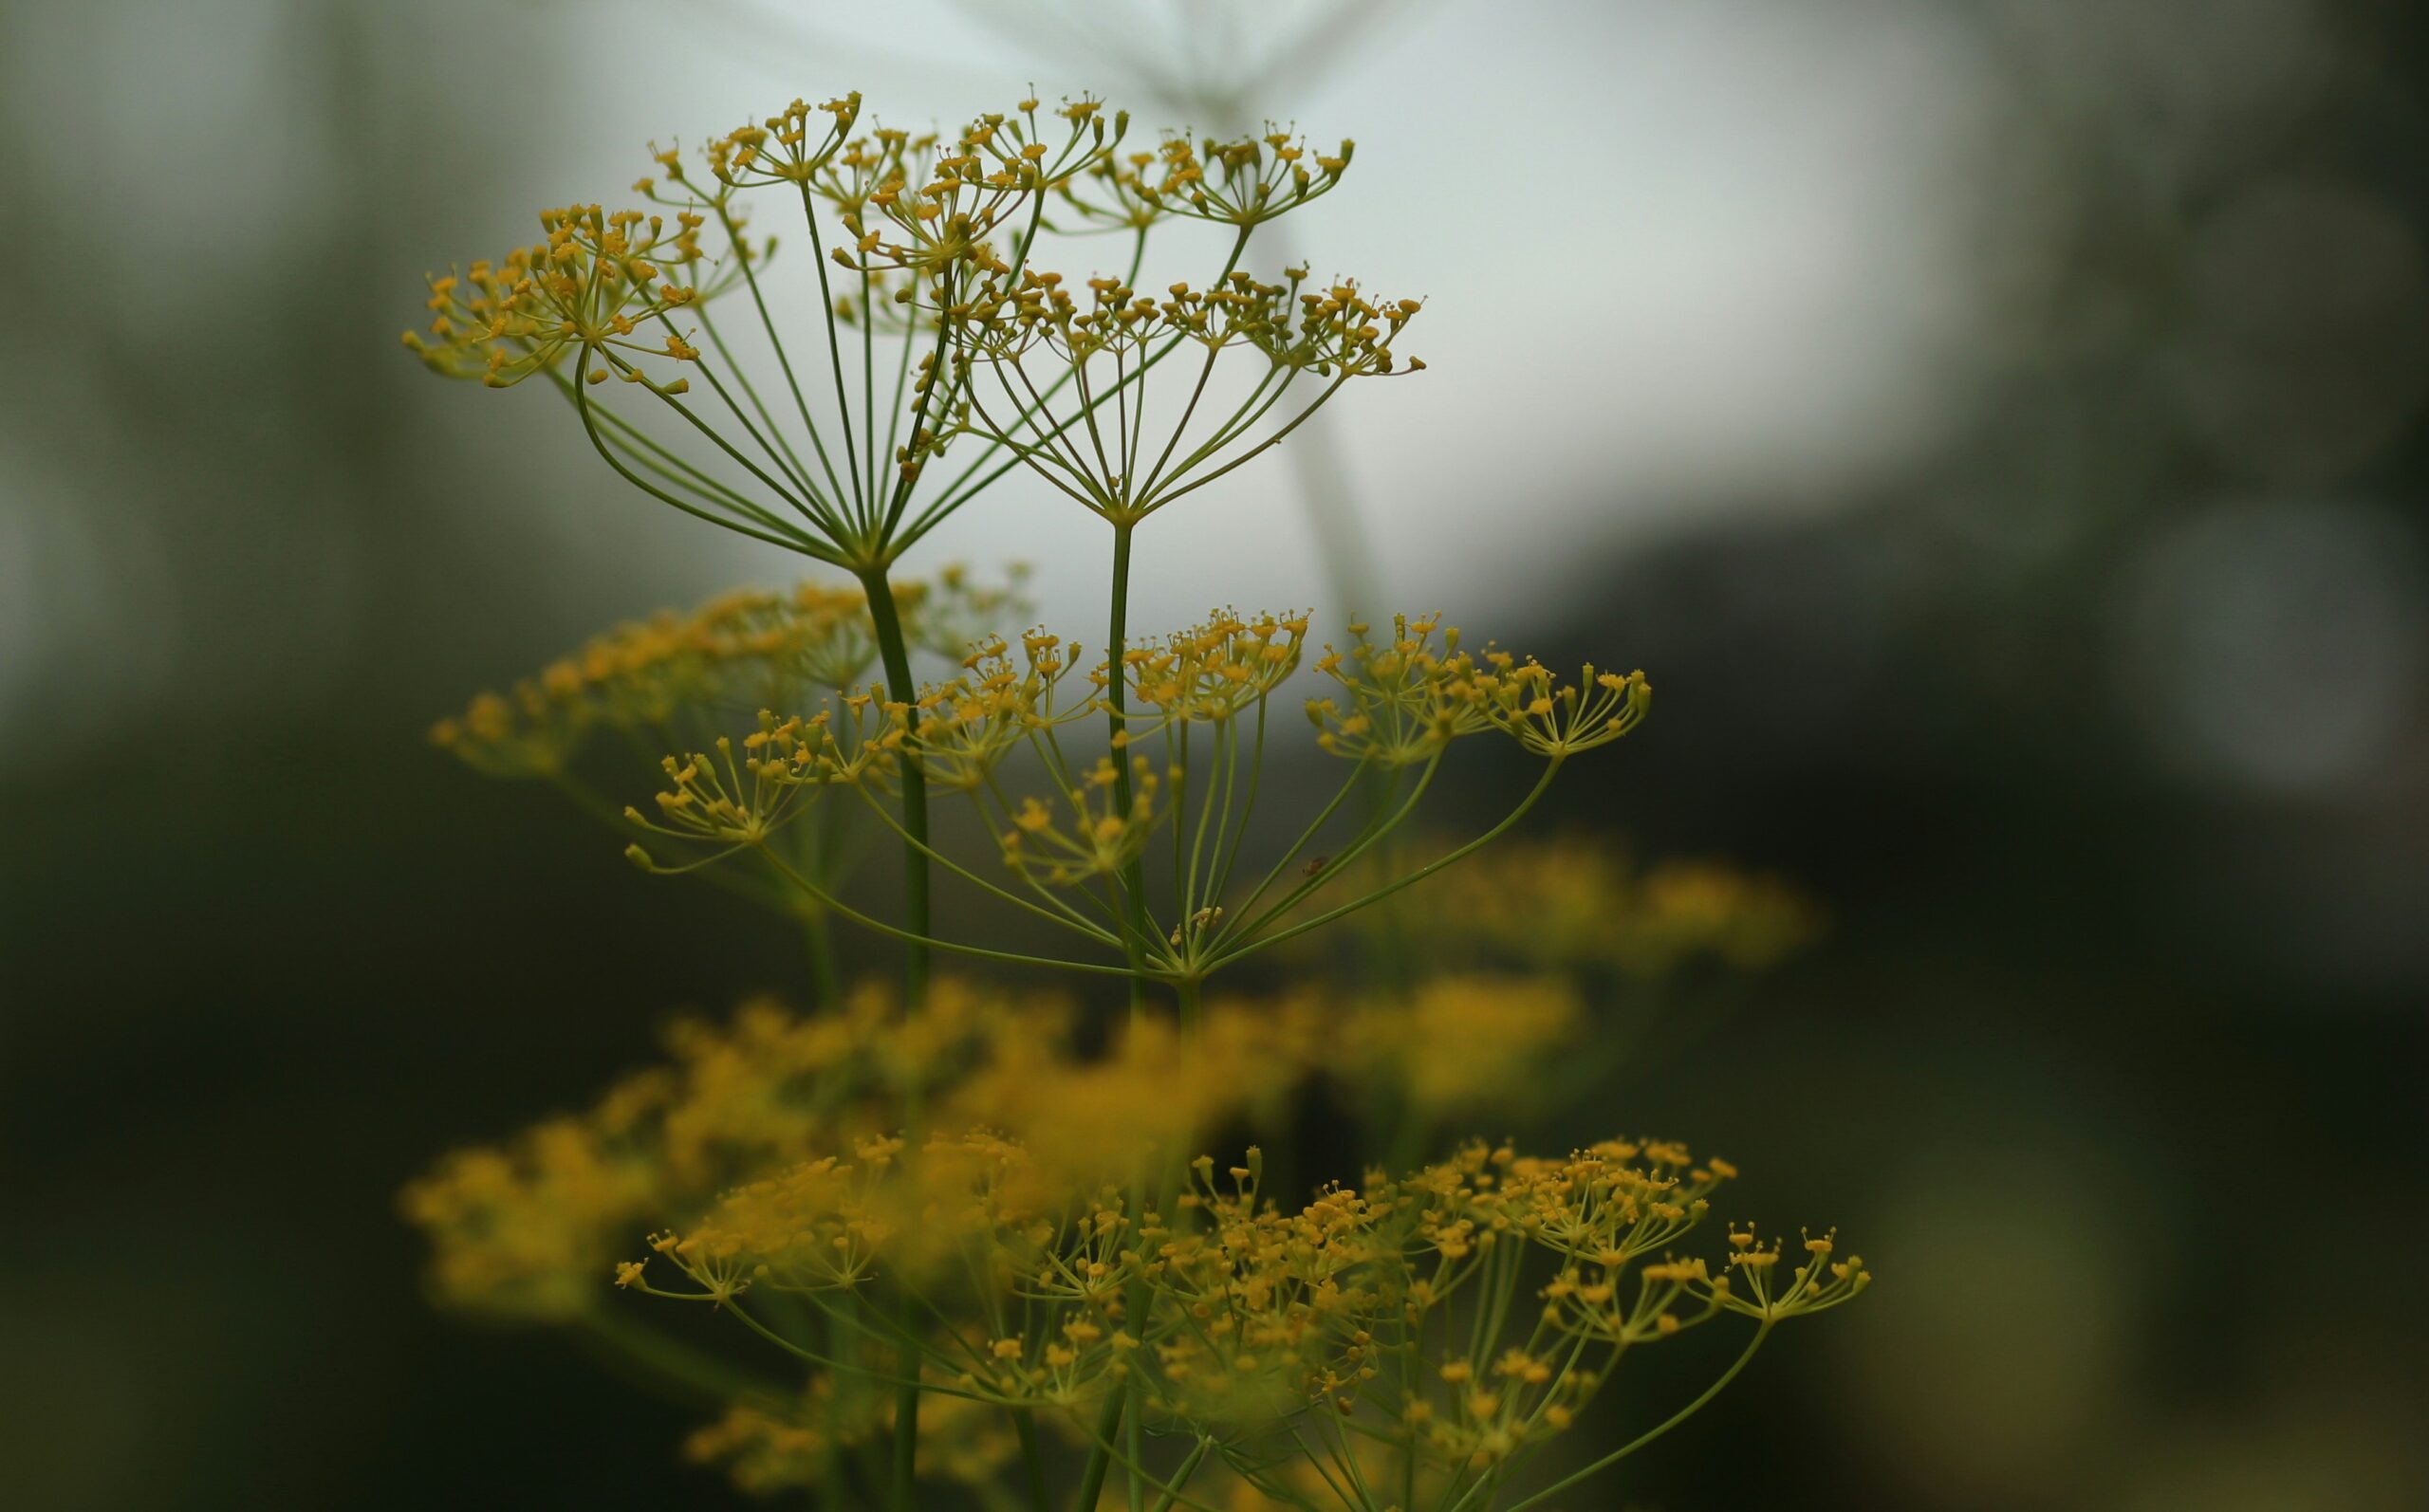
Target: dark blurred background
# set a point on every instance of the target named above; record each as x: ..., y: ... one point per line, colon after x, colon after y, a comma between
x: 1996, y: 426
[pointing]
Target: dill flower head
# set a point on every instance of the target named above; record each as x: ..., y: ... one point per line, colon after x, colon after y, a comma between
x: 1098, y: 838
x: 1463, y: 1043
x: 1332, y: 332
x: 1414, y: 694
x: 1240, y: 182
x: 610, y: 287
x: 1467, y: 1311
x: 1155, y: 1090
x: 815, y: 1225
x: 1578, y: 903
x: 1209, y: 673
x: 1037, y: 360
x: 518, y: 1230
x: 790, y: 148
x: 768, y: 1450
x: 967, y: 725
x: 749, y: 648
x: 728, y: 802
x: 1281, y: 1302
x: 1407, y: 697
x: 929, y: 205
x: 531, y: 1228
x: 1558, y: 720
x: 965, y: 1194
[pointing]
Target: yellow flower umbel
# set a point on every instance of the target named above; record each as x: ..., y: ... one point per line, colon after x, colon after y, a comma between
x: 1557, y: 720
x: 1031, y: 338
x: 599, y: 288
x: 531, y: 1227
x: 1578, y: 905
x: 1181, y: 773
x: 1409, y: 698
x: 1211, y: 673
x: 1238, y: 182
x: 1053, y: 1278
x: 1461, y: 1045
x: 1399, y: 1316
x: 967, y: 724
x: 679, y: 675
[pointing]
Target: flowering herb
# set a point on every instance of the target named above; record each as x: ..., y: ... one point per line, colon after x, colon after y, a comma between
x: 946, y: 1204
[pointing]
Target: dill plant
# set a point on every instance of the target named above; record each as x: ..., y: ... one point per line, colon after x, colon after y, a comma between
x: 967, y: 1245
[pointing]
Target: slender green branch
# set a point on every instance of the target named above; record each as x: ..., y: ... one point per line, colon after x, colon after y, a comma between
x: 1101, y: 1457
x: 1180, y: 1477
x: 779, y: 449
x: 1134, y: 874
x: 1315, y: 826
x: 894, y: 650
x: 699, y: 1377
x: 1256, y: 451
x: 1032, y: 1462
x: 929, y: 942
x: 801, y: 543
x: 751, y: 277
x: 835, y: 356
x: 1066, y: 919
x: 1761, y: 1332
x: 1533, y: 794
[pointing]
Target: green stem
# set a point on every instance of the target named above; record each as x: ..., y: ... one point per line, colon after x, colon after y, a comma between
x: 904, y: 1491
x: 1033, y: 1463
x: 894, y: 650
x: 1180, y: 1477
x: 1135, y: 1441
x: 1101, y: 1457
x: 1134, y: 874
x: 672, y: 1367
x: 896, y: 654
x: 820, y: 941
x: 1650, y: 1434
x: 929, y: 942
x: 834, y: 1492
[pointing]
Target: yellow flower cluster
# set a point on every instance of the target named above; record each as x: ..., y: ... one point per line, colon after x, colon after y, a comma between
x: 1209, y: 673
x: 910, y: 202
x: 1411, y: 696
x: 1238, y: 1318
x: 531, y: 1226
x: 750, y: 647
x: 1576, y: 903
x: 605, y: 285
x: 1460, y: 1044
x: 967, y: 725
x: 1053, y: 1273
x: 937, y: 236
x: 1103, y: 348
x: 1330, y: 331
x: 1100, y: 834
x: 1239, y: 182
x: 770, y: 1449
x: 522, y: 1230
